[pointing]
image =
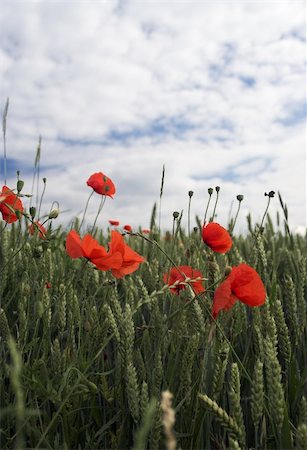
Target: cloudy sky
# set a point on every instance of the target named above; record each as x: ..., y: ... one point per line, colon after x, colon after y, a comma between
x: 213, y: 90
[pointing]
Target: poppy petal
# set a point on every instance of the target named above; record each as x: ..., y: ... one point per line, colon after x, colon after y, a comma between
x: 179, y: 274
x: 101, y: 184
x: 108, y: 262
x: 91, y: 248
x: 9, y: 204
x: 216, y: 237
x: 74, y: 245
x: 223, y: 298
x: 117, y: 243
x: 247, y: 286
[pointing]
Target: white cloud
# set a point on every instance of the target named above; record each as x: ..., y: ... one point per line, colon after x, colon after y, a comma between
x: 217, y: 78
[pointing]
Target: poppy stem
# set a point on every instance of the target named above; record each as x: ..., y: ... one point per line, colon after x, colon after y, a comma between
x: 161, y: 194
x: 234, y: 222
x: 102, y: 202
x: 85, y: 210
x: 41, y: 199
x: 189, y: 214
x: 217, y: 197
x: 265, y: 213
x: 210, y: 190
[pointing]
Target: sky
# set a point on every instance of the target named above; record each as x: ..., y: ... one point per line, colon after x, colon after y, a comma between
x: 215, y: 91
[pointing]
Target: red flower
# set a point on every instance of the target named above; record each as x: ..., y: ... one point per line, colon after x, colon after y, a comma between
x: 216, y: 237
x: 90, y: 249
x: 48, y: 285
x: 9, y: 202
x: 146, y: 231
x: 243, y: 283
x: 101, y: 184
x: 36, y: 226
x: 127, y: 228
x: 130, y: 259
x: 180, y: 274
x: 115, y: 223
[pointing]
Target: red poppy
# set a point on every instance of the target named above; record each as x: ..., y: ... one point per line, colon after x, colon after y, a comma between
x: 244, y: 284
x: 9, y: 205
x: 36, y: 226
x: 130, y: 259
x: 180, y: 274
x: 127, y: 228
x: 48, y: 285
x: 216, y: 237
x: 146, y: 231
x: 115, y: 223
x: 101, y: 184
x: 90, y: 249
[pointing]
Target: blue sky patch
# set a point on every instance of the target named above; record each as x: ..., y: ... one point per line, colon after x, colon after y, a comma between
x: 295, y: 114
x: 12, y: 165
x: 247, y: 168
x: 161, y: 127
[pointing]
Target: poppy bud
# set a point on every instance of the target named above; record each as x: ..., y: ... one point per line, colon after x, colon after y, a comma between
x: 240, y: 197
x: 175, y: 214
x: 270, y: 194
x: 32, y: 211
x: 20, y: 184
x: 228, y: 270
x: 127, y: 228
x: 44, y: 180
x: 210, y: 191
x: 217, y: 188
x: 53, y: 214
x: 190, y: 193
x: 195, y: 229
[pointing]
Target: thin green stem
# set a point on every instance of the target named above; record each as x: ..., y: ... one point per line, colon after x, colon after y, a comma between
x: 85, y: 210
x: 41, y: 199
x: 234, y: 222
x: 102, y: 202
x: 161, y: 194
x: 265, y: 212
x: 213, y: 214
x: 189, y: 217
x: 207, y: 207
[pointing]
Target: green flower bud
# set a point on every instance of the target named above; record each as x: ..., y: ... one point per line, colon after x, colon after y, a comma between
x: 20, y: 184
x: 32, y: 211
x: 240, y: 197
x: 53, y: 214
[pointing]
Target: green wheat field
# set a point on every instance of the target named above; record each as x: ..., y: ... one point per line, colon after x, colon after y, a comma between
x: 85, y: 357
x: 91, y: 359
